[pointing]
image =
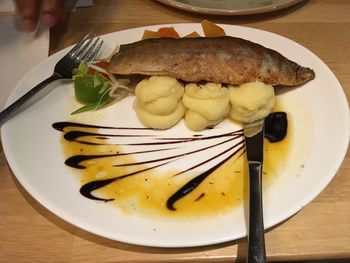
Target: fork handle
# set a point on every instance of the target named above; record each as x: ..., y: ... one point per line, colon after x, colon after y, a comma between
x: 256, y: 240
x: 11, y: 110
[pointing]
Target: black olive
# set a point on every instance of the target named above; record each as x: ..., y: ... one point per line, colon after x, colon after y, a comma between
x: 276, y: 125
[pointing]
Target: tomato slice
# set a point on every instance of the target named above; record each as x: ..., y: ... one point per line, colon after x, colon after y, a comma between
x: 101, y: 64
x: 168, y: 32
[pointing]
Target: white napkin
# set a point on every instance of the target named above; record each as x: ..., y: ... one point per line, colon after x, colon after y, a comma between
x: 8, y: 5
x: 19, y: 52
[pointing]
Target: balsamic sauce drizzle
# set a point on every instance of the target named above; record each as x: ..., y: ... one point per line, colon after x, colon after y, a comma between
x: 76, y: 160
x: 179, y: 155
x: 60, y: 126
x: 214, y: 157
x: 86, y: 189
x: 76, y: 134
x: 196, y: 181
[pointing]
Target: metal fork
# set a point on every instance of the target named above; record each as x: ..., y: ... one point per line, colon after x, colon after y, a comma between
x: 84, y: 51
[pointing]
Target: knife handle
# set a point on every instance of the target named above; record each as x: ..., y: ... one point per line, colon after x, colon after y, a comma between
x: 256, y: 240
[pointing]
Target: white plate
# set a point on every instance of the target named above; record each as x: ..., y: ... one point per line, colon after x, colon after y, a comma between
x: 318, y: 112
x: 229, y: 7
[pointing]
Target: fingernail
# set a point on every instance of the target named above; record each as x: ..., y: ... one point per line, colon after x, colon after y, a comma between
x: 48, y: 20
x: 28, y: 25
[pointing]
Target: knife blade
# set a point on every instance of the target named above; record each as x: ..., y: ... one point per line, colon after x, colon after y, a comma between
x: 254, y: 142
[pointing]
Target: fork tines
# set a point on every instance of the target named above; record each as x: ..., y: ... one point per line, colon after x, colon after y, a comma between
x: 86, y: 49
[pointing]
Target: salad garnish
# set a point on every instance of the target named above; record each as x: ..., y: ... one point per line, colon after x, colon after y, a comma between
x: 96, y: 88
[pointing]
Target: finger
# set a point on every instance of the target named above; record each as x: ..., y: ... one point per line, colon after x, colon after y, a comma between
x: 52, y: 12
x: 29, y: 11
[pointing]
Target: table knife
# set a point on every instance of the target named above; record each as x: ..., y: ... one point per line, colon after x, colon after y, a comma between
x: 254, y: 142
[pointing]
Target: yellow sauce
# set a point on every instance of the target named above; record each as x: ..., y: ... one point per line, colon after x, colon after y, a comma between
x: 148, y: 191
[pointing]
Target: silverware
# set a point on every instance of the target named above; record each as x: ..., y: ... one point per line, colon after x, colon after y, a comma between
x: 254, y: 141
x: 84, y: 51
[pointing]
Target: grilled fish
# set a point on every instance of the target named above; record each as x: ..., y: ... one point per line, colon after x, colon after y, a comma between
x: 226, y: 60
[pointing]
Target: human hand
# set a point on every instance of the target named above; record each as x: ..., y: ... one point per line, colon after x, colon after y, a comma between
x: 46, y: 12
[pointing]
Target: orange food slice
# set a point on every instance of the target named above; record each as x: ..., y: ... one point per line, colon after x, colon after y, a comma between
x: 212, y: 30
x: 150, y: 34
x: 168, y: 32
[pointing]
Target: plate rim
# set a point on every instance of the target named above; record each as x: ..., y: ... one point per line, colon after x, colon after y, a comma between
x: 58, y: 54
x: 230, y: 12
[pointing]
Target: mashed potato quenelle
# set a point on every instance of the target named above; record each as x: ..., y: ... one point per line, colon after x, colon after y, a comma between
x: 251, y: 101
x: 162, y: 101
x: 207, y: 105
x: 158, y: 102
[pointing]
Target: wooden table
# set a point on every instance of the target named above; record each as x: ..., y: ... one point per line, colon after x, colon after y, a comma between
x: 30, y: 233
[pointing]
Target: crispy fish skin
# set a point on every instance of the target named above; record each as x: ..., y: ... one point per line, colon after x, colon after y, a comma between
x: 226, y: 60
